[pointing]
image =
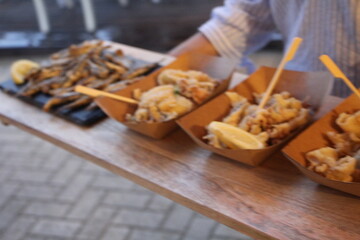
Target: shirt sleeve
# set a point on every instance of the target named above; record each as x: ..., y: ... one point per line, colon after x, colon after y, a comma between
x: 239, y: 28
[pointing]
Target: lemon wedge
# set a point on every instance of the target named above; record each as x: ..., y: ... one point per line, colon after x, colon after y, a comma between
x: 21, y: 68
x: 234, y: 137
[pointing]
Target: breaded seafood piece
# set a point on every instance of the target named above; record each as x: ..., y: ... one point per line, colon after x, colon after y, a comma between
x: 235, y: 98
x: 236, y: 114
x: 160, y: 104
x: 325, y: 162
x: 343, y: 169
x: 192, y: 84
x: 350, y: 123
x: 321, y: 159
x: 283, y: 129
x: 342, y: 143
x: 173, y: 76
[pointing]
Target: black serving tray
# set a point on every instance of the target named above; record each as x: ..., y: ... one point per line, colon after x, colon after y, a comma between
x: 80, y: 116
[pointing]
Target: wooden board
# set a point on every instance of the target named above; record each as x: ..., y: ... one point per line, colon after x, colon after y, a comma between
x: 273, y: 201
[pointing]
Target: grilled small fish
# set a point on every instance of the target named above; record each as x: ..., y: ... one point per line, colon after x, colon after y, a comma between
x: 58, y: 100
x: 82, y: 101
x: 93, y: 64
x: 140, y: 71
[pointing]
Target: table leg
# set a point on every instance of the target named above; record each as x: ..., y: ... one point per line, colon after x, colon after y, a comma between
x: 4, y: 122
x: 42, y: 16
x: 89, y: 15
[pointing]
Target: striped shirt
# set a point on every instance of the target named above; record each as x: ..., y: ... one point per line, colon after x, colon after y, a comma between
x: 330, y: 27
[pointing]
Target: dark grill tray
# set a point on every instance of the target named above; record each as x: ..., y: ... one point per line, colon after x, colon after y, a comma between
x: 80, y: 116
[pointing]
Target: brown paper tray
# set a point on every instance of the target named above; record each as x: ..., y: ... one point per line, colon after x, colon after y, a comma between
x: 216, y: 67
x: 309, y: 87
x: 313, y: 138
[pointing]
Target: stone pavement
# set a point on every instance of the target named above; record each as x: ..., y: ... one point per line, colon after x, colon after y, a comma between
x: 48, y: 193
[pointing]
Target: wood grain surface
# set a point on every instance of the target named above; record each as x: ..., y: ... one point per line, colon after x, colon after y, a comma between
x: 273, y: 201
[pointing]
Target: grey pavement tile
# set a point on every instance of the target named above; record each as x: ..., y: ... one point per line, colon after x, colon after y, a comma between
x: 21, y: 163
x: 178, y: 218
x: 127, y: 199
x: 51, y: 209
x: 112, y: 182
x: 4, y: 174
x: 96, y: 224
x: 75, y: 187
x: 38, y: 157
x: 59, y: 228
x: 139, y: 218
x: 85, y: 204
x: 92, y: 168
x: 200, y: 228
x: 15, y: 152
x: 224, y: 231
x: 33, y: 238
x: 158, y: 235
x: 160, y: 203
x: 31, y: 176
x: 44, y: 192
x: 6, y: 191
x: 18, y: 229
x: 66, y: 172
x: 10, y: 212
x: 117, y: 233
x: 54, y: 161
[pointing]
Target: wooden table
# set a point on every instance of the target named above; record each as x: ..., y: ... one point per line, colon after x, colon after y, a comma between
x: 270, y: 201
x: 273, y: 201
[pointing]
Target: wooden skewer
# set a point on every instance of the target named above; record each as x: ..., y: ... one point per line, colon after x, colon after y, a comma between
x: 336, y: 72
x: 97, y: 93
x: 287, y: 57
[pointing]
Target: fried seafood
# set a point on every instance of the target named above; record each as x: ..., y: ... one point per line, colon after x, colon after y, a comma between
x: 177, y: 94
x: 350, y: 123
x: 339, y: 162
x: 160, y: 104
x: 282, y: 115
x: 326, y: 161
x: 93, y: 64
x: 195, y: 85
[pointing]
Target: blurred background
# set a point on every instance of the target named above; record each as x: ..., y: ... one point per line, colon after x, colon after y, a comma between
x: 42, y: 26
x: 45, y: 25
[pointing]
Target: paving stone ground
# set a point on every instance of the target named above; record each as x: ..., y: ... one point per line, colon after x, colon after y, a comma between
x: 47, y: 193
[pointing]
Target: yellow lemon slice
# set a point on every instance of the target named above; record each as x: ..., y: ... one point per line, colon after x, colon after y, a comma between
x: 234, y: 137
x: 21, y: 68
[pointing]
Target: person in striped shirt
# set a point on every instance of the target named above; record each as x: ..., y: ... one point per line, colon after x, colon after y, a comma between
x: 241, y: 27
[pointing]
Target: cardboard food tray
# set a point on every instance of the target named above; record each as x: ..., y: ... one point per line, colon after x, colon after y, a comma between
x: 296, y: 149
x: 308, y: 87
x: 216, y: 67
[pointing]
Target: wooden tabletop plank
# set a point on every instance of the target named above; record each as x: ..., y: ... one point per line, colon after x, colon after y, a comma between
x: 266, y: 202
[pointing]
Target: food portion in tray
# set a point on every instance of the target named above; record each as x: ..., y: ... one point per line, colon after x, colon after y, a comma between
x: 178, y: 93
x: 339, y: 161
x: 248, y: 127
x: 94, y: 64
